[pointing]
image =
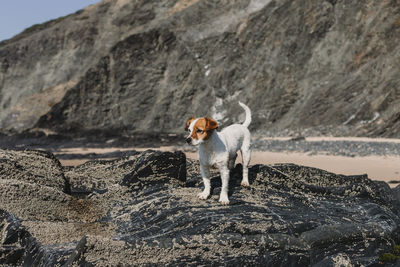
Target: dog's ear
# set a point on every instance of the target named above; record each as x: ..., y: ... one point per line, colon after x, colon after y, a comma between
x: 188, y: 123
x: 211, y: 124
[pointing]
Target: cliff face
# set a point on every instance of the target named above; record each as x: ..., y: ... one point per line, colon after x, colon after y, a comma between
x: 139, y: 66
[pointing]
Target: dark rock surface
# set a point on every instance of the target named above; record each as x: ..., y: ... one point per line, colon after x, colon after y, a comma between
x: 143, y: 210
x: 20, y: 248
x: 156, y: 166
x: 33, y: 166
x: 127, y: 171
x: 128, y: 67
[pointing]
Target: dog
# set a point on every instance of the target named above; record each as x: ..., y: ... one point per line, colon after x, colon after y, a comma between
x: 220, y: 149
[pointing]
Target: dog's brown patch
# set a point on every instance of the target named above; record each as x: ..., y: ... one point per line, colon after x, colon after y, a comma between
x: 203, y: 128
x: 188, y: 123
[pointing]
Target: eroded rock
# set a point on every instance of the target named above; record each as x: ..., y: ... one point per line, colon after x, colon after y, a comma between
x: 161, y: 166
x: 146, y: 214
x: 33, y: 166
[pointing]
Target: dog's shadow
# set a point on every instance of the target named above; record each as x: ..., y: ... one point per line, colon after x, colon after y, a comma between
x: 235, y: 178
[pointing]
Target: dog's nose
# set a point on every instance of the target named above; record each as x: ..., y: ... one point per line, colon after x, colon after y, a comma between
x: 188, y: 140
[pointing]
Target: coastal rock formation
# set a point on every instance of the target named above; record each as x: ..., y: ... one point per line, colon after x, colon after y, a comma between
x: 143, y: 210
x: 33, y: 167
x: 128, y: 67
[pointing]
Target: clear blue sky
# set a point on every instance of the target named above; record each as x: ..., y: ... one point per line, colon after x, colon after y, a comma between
x: 17, y: 15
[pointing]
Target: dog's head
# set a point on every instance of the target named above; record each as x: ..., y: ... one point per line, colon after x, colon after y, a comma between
x: 199, y: 129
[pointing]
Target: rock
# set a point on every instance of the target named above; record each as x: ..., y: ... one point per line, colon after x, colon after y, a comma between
x: 295, y: 215
x: 157, y: 167
x: 297, y: 138
x: 139, y: 67
x: 33, y: 166
x: 148, y: 214
x: 76, y: 254
x: 148, y: 167
x: 12, y: 251
x: 98, y: 175
x: 34, y: 188
x: 396, y: 192
x: 19, y: 248
x: 39, y: 202
x: 338, y: 260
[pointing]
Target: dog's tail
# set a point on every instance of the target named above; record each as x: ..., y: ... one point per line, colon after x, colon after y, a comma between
x: 247, y: 121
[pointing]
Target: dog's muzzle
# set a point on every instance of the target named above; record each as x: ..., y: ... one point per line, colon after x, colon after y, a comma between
x: 188, y: 140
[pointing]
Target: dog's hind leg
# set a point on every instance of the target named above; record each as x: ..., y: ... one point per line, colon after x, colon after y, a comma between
x: 246, y: 153
x: 232, y: 160
x: 223, y: 198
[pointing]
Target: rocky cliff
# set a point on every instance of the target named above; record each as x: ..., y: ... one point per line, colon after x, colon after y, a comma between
x: 142, y: 210
x: 144, y: 66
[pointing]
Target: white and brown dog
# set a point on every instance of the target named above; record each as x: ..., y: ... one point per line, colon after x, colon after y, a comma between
x: 220, y: 149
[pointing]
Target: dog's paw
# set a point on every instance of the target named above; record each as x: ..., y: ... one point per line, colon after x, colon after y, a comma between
x: 224, y: 200
x: 244, y: 183
x: 202, y: 195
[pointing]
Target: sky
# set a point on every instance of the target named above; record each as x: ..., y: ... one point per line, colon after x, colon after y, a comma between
x: 17, y: 15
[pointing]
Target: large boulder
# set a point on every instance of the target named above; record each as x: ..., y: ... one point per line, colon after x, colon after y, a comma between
x: 141, y: 168
x: 290, y: 216
x: 98, y: 175
x: 157, y: 167
x: 147, y: 213
x: 33, y: 166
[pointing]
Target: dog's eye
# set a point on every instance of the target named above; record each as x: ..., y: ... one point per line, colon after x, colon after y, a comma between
x: 199, y: 131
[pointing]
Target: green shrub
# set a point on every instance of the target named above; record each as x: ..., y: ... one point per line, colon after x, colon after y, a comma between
x: 391, y: 257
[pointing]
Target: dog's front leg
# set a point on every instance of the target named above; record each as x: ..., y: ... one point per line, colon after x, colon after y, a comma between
x: 205, y: 174
x: 223, y: 198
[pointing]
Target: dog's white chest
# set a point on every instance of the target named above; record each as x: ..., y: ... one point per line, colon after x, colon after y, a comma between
x: 210, y: 158
x: 213, y: 152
